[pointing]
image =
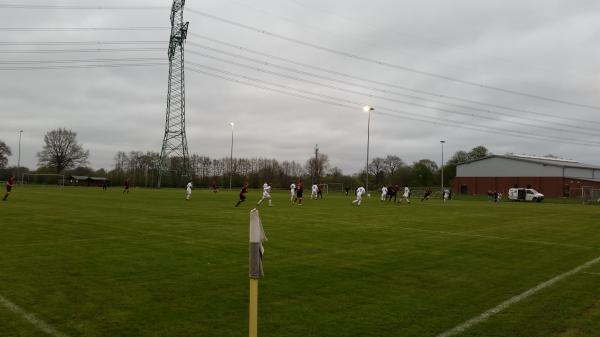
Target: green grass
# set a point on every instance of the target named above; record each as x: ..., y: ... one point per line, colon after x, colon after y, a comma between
x: 94, y: 263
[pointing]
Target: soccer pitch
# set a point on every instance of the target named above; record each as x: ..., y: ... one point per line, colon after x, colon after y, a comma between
x: 83, y: 262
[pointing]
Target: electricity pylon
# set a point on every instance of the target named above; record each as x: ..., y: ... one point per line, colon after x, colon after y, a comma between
x: 174, y: 142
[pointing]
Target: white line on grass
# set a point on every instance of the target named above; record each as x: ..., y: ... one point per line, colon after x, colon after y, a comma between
x: 598, y: 274
x: 31, y: 318
x: 502, y: 306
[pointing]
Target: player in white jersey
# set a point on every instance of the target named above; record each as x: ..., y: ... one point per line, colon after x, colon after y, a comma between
x: 446, y: 195
x: 266, y: 194
x: 384, y: 191
x: 292, y: 193
x: 360, y: 191
x: 188, y: 191
x: 314, y: 191
x: 406, y: 194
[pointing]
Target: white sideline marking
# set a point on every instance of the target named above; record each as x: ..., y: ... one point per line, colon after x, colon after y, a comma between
x: 592, y: 273
x: 502, y: 306
x: 31, y: 318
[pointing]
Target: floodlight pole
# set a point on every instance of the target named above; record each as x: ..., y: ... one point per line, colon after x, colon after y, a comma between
x: 19, y: 179
x: 232, y: 124
x: 368, y: 109
x: 442, y: 142
x: 316, y: 168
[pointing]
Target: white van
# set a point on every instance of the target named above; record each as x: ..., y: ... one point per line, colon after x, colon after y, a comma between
x: 525, y: 194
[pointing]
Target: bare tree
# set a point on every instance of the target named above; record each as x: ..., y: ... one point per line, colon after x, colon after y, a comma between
x: 377, y: 168
x: 61, y: 151
x: 4, y: 153
x: 319, y: 166
x: 392, y: 164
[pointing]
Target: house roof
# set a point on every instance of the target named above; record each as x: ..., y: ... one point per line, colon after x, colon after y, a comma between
x: 539, y: 160
x: 89, y: 178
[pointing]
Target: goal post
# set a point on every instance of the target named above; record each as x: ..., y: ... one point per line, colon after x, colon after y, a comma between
x: 333, y: 187
x: 589, y: 195
x: 43, y: 179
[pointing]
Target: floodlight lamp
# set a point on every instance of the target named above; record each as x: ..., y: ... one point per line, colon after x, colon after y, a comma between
x: 232, y: 124
x: 368, y: 108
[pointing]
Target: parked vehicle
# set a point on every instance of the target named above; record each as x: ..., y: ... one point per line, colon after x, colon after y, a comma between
x: 525, y: 194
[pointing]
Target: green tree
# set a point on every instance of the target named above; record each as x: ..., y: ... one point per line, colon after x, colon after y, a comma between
x: 4, y: 154
x: 478, y: 152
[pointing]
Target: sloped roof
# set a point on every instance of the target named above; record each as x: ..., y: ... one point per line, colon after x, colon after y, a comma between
x: 88, y: 178
x: 539, y: 160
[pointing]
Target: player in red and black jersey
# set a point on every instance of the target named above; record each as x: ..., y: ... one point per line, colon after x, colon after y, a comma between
x: 243, y: 192
x: 126, y: 186
x: 427, y: 193
x: 9, y: 185
x: 299, y: 191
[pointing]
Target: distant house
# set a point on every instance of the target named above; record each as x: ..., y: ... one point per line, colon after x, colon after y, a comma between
x: 88, y: 181
x: 553, y: 177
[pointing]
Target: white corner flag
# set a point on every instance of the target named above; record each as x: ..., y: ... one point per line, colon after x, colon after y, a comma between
x: 257, y: 237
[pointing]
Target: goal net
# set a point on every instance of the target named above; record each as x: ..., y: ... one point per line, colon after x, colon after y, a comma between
x: 43, y: 179
x: 333, y: 188
x: 590, y: 195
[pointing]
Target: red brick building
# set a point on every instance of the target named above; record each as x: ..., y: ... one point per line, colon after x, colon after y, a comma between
x: 551, y: 176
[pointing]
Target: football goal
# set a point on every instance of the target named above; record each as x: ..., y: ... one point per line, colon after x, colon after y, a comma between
x: 43, y: 179
x: 333, y: 188
x: 590, y: 195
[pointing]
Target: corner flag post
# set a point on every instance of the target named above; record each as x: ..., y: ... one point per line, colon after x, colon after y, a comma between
x: 257, y: 237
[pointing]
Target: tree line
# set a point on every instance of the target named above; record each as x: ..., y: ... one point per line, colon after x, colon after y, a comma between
x: 62, y: 154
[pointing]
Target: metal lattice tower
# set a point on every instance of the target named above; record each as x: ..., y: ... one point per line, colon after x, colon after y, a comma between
x: 174, y: 142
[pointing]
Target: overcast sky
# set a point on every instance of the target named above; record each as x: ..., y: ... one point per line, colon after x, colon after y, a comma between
x: 542, y: 48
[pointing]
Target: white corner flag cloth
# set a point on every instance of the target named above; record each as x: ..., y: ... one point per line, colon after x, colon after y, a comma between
x: 257, y: 237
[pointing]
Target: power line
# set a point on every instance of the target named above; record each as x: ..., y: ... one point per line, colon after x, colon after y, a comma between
x: 108, y: 65
x: 138, y: 59
x: 68, y: 43
x: 73, y: 29
x: 42, y: 51
x: 391, y: 85
x: 387, y: 64
x: 381, y: 97
x: 494, y: 113
x: 349, y: 103
x: 12, y: 6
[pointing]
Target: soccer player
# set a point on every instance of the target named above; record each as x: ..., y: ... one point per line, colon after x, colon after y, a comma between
x: 188, y: 190
x: 406, y: 194
x: 299, y: 191
x: 319, y: 191
x: 384, y: 192
x: 215, y: 188
x: 360, y: 191
x: 446, y: 195
x: 9, y: 185
x: 126, y: 186
x: 243, y: 192
x: 314, y: 191
x: 266, y: 194
x: 427, y: 194
x: 292, y: 193
x: 392, y: 192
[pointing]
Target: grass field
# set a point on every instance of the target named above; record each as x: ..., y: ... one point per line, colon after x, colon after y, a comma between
x: 83, y: 262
